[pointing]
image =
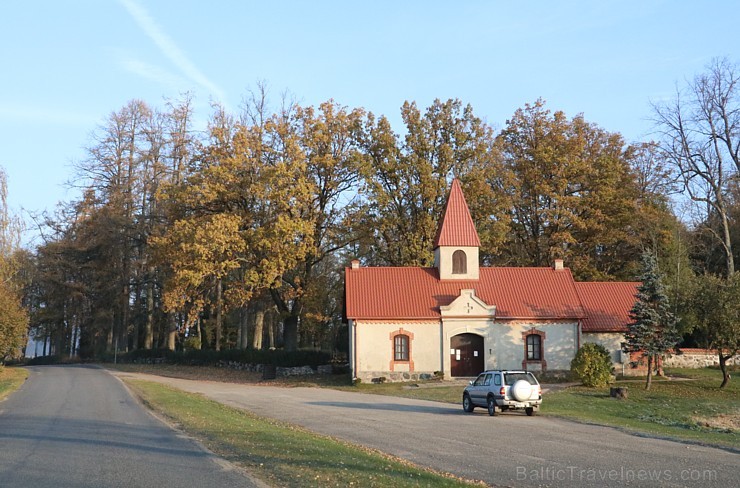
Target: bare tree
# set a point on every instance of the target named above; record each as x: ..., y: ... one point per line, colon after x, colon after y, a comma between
x: 700, y: 132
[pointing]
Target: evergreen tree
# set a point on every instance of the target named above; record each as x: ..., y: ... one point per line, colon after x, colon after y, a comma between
x: 653, y: 330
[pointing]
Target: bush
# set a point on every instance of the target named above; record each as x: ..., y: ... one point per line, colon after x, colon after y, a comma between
x: 191, y: 343
x: 592, y: 365
x: 49, y: 360
x: 210, y: 357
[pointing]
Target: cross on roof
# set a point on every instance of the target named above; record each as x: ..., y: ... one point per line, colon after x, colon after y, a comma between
x: 469, y: 307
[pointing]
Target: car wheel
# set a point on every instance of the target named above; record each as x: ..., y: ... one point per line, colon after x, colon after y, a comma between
x: 467, y: 404
x: 529, y: 411
x: 492, y: 407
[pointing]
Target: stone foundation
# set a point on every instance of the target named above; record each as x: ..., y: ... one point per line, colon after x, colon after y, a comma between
x: 279, y: 371
x: 394, y: 376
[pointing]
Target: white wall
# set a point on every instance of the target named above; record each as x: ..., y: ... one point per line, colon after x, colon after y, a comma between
x: 503, y: 345
x: 443, y: 261
x: 506, y: 349
x: 374, y: 347
x: 612, y: 341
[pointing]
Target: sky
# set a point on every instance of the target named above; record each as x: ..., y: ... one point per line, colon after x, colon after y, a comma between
x: 65, y: 65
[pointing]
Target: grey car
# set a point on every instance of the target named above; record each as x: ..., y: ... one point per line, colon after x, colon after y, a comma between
x: 501, y: 390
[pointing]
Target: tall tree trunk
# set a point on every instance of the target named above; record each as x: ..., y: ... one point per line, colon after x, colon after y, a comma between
x: 290, y: 332
x: 649, y: 381
x: 61, y: 339
x: 727, y: 246
x: 271, y: 333
x: 136, y: 322
x: 171, y: 331
x: 243, y: 339
x: 149, y: 326
x: 290, y: 323
x: 73, y: 346
x: 259, y: 328
x: 219, y: 314
x: 125, y: 314
x: 198, y: 322
x: 109, y: 337
x: 723, y: 367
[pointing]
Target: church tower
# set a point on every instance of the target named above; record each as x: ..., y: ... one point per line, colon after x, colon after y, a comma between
x: 456, y: 244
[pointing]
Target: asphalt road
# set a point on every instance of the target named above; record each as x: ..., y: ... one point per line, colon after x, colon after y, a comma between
x: 508, y: 450
x: 77, y: 426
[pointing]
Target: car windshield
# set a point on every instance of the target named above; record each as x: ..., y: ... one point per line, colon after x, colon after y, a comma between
x: 512, y: 378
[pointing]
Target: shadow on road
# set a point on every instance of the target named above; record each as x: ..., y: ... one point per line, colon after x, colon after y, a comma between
x: 79, y: 433
x: 451, y: 410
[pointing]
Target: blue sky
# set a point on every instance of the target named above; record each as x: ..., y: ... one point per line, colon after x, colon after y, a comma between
x: 66, y: 64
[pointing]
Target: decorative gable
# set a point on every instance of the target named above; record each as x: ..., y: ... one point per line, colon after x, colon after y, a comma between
x: 468, y: 305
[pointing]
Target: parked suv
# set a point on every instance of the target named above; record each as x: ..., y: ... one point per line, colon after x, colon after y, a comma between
x: 501, y: 390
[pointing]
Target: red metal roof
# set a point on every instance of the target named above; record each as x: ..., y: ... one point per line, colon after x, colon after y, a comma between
x: 607, y: 305
x: 456, y: 227
x: 417, y: 293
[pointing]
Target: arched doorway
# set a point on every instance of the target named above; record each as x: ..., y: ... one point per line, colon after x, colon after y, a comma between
x: 466, y: 355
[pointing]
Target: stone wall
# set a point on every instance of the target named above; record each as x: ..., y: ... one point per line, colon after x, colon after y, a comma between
x: 279, y: 371
x: 696, y: 358
x: 395, y: 377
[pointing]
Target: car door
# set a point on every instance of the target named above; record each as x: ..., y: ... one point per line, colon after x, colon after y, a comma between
x: 482, y: 385
x: 497, y: 383
x: 474, y: 390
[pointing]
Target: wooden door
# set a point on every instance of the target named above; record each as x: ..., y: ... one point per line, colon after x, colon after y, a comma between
x: 466, y: 355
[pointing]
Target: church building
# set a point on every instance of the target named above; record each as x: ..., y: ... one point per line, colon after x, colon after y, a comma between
x: 458, y: 318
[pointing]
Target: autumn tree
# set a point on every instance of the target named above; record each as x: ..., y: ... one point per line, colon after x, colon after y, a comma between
x: 407, y: 180
x: 13, y: 317
x: 328, y: 145
x: 71, y: 294
x: 242, y: 202
x: 98, y: 284
x: 573, y: 194
x: 652, y: 331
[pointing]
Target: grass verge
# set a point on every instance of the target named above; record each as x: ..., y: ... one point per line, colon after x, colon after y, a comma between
x: 689, y: 407
x: 280, y: 453
x: 10, y: 380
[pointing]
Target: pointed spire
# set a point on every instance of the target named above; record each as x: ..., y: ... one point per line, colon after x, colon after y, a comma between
x: 456, y: 227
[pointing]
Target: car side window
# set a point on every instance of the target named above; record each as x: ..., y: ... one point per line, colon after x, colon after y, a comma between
x: 479, y: 380
x: 487, y: 381
x: 497, y: 380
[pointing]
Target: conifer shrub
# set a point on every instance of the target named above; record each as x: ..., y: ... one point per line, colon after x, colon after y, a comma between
x: 592, y: 365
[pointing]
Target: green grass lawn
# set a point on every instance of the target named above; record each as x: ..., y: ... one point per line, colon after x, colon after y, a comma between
x: 11, y: 379
x: 280, y: 453
x: 689, y: 407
